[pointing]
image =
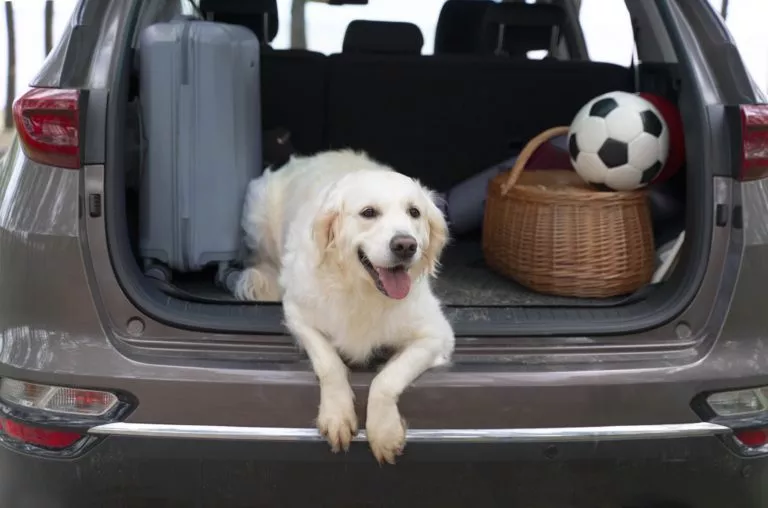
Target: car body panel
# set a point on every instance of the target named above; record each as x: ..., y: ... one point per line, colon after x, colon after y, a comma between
x: 471, y: 393
x: 83, y: 56
x: 61, y: 324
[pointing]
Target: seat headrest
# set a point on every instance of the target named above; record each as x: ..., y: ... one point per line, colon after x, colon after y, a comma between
x: 517, y: 28
x: 521, y: 14
x: 459, y: 25
x: 383, y: 37
x: 260, y: 16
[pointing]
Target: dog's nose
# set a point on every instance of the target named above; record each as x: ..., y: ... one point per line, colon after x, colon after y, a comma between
x: 403, y: 246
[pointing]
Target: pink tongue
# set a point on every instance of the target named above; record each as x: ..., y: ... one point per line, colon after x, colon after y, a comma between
x: 397, y: 283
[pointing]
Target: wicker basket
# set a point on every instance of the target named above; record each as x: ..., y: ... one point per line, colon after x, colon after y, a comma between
x: 549, y: 231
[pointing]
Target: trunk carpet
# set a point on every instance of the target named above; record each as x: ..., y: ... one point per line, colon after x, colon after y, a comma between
x: 464, y: 280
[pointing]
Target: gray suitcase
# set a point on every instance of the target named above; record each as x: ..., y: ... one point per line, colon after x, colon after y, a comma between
x: 201, y: 116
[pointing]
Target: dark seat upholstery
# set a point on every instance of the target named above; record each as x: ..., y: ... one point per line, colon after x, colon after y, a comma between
x: 440, y: 118
x: 383, y: 37
x: 444, y: 118
x: 507, y: 28
x: 514, y: 29
x: 293, y: 82
x: 260, y: 16
x: 460, y: 25
x: 294, y: 87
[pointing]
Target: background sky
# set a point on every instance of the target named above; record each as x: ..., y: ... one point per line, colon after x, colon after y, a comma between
x: 605, y: 22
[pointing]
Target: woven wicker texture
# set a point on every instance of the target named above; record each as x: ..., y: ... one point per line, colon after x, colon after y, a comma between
x: 549, y: 231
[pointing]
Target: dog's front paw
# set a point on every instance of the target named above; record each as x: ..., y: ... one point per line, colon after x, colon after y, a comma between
x: 385, y: 429
x: 257, y: 285
x: 337, y: 420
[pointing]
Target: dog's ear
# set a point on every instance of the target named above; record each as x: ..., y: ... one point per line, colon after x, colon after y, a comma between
x: 438, y: 232
x: 325, y: 227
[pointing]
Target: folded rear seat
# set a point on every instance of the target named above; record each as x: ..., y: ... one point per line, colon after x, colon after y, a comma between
x: 442, y: 118
x: 294, y: 88
x: 293, y: 82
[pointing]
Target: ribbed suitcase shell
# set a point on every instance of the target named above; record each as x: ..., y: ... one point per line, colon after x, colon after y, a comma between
x: 201, y: 114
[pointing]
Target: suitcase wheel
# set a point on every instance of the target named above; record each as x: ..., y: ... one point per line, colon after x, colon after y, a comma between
x: 226, y: 277
x: 158, y: 272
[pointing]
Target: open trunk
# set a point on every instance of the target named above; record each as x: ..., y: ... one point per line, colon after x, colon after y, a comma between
x: 436, y: 118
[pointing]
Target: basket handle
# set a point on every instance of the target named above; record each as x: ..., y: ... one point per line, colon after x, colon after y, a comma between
x: 528, y: 152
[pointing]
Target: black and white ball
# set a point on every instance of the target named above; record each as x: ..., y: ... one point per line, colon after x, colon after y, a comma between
x: 618, y: 140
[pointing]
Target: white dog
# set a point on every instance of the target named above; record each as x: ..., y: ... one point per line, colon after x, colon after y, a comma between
x: 350, y: 245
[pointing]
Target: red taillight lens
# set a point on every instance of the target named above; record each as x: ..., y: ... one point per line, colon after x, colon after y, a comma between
x: 753, y: 438
x: 48, y: 123
x: 38, y: 436
x: 754, y: 127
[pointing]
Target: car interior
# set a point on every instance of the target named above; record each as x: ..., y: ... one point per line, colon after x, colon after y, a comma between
x: 500, y: 74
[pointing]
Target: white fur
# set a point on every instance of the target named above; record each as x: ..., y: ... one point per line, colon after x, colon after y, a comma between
x: 304, y: 227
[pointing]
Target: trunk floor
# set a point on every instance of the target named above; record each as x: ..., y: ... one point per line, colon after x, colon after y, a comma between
x: 464, y: 280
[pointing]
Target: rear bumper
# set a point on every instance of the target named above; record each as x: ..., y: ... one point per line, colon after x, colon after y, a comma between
x: 142, y: 471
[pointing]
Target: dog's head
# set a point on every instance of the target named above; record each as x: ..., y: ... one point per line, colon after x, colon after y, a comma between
x: 383, y: 228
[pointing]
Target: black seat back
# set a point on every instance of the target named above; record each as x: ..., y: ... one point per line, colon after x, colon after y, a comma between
x: 514, y: 29
x: 260, y: 16
x: 294, y: 89
x: 460, y: 25
x: 383, y: 37
x: 293, y: 82
x: 444, y: 118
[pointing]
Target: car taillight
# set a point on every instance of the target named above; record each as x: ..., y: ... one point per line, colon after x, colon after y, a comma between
x: 48, y: 124
x: 54, y: 421
x: 39, y: 436
x: 746, y: 412
x: 754, y: 129
x: 57, y: 399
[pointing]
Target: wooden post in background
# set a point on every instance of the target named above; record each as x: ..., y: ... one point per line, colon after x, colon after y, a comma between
x: 48, y: 26
x: 11, y: 74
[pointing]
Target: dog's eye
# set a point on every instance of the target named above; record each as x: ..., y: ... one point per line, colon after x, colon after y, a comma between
x: 414, y: 212
x: 369, y: 213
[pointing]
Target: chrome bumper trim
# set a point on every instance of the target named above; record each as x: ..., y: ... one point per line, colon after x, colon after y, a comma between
x: 547, y: 435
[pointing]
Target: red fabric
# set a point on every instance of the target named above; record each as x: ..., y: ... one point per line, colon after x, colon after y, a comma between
x: 674, y: 122
x: 549, y: 156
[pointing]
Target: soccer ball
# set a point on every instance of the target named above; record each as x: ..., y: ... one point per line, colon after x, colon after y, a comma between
x: 618, y: 140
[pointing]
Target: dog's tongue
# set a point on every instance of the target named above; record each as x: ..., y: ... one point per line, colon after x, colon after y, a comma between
x: 396, y: 282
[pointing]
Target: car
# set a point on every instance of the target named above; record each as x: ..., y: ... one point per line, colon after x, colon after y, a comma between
x: 119, y: 389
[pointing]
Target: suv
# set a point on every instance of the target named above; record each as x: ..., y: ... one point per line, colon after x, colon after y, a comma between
x: 119, y: 390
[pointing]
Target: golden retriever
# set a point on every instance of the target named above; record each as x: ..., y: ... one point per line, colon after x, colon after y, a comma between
x: 350, y: 245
